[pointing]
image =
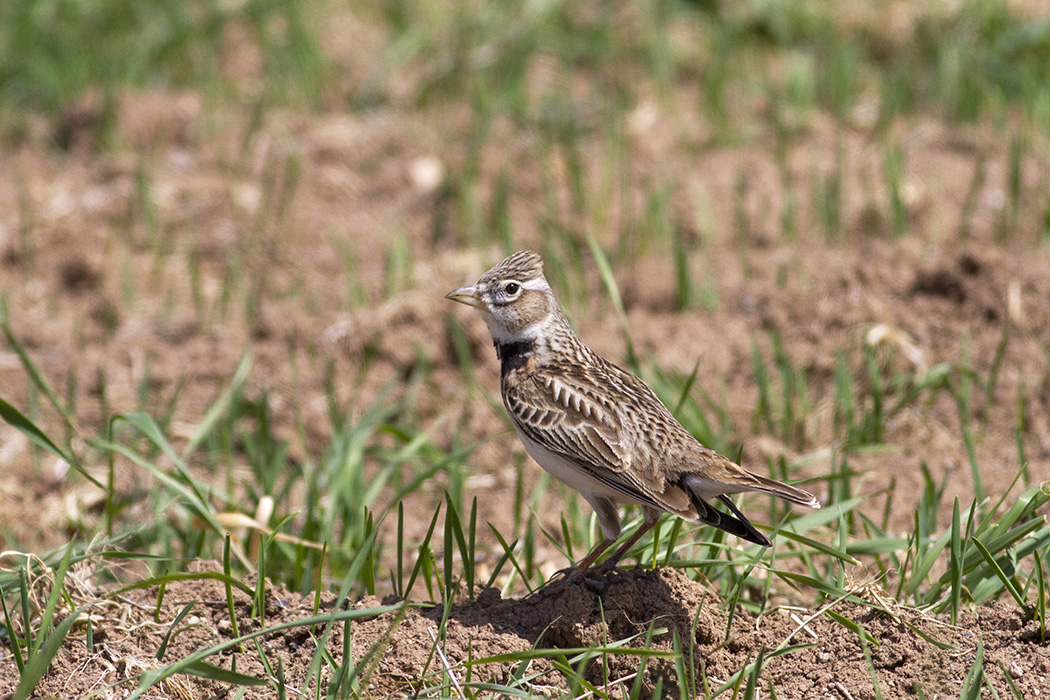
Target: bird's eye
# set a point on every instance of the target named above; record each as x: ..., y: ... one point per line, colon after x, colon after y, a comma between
x: 512, y: 288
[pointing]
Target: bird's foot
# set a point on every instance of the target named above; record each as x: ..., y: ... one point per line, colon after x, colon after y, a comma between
x: 562, y: 579
x: 596, y: 578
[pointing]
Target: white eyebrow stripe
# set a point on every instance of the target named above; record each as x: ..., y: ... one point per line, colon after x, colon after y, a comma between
x: 538, y: 283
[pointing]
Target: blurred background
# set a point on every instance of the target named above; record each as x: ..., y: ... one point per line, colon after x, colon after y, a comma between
x: 820, y: 230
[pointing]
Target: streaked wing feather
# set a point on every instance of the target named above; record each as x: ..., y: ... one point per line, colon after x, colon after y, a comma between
x: 564, y: 417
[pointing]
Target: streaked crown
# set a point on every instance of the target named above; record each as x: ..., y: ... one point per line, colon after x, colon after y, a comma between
x: 523, y: 266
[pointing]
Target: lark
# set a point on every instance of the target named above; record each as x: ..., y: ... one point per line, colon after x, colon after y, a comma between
x: 597, y: 427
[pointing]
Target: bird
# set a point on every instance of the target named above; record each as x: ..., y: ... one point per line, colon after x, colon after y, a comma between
x: 595, y: 426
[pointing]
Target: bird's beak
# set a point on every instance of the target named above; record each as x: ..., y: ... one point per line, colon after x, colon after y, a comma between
x: 466, y: 295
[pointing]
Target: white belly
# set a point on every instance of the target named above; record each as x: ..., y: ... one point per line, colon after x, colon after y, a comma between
x: 571, y: 475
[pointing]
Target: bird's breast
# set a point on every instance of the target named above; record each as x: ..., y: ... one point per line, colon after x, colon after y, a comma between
x: 514, y: 355
x: 571, y: 474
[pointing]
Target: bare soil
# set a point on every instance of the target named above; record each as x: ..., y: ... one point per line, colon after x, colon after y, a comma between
x: 103, y: 290
x: 829, y: 661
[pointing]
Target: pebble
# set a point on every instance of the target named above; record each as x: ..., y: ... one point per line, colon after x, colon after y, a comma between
x: 426, y: 173
x: 1015, y: 669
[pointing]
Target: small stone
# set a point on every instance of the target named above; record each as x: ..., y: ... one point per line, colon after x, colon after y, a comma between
x: 1015, y: 669
x: 643, y: 118
x: 823, y: 657
x: 426, y: 173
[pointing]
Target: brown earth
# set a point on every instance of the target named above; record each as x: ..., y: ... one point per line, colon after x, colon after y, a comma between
x: 824, y: 659
x: 92, y: 299
x: 116, y: 263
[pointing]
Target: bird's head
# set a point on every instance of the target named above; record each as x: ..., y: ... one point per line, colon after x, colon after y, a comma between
x: 513, y: 298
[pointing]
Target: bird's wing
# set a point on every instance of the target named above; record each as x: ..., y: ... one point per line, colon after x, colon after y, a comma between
x: 700, y: 469
x: 586, y: 417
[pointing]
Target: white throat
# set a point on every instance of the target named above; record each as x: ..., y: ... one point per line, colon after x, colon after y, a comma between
x: 502, y: 336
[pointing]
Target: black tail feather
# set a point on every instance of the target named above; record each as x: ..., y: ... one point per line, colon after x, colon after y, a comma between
x: 735, y: 524
x: 750, y: 533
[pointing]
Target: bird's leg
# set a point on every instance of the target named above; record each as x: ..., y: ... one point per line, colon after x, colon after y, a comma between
x: 610, y: 563
x: 608, y: 518
x: 586, y: 570
x: 593, y: 556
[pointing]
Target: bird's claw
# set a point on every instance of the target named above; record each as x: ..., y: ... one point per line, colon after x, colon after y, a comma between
x: 562, y: 579
x: 596, y: 578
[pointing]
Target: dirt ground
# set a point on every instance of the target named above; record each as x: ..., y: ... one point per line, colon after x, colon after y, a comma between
x: 93, y: 301
x: 827, y: 663
x: 100, y: 280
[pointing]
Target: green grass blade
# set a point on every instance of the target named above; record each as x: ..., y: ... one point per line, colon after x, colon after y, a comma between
x: 221, y: 675
x: 863, y: 634
x: 57, y: 590
x: 171, y: 628
x: 686, y: 387
x: 16, y: 646
x: 955, y: 566
x: 752, y: 678
x: 975, y: 678
x: 1015, y: 692
x: 827, y: 549
x: 1040, y: 606
x: 735, y: 680
x: 1008, y: 584
x: 151, y: 678
x: 170, y: 578
x: 508, y: 551
x: 828, y: 589
x: 37, y: 666
x: 19, y: 422
x: 605, y: 270
x: 34, y: 373
x: 827, y: 514
x: 423, y: 551
x: 230, y: 607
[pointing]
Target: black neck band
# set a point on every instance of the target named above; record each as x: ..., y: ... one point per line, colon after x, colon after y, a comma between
x: 514, y: 355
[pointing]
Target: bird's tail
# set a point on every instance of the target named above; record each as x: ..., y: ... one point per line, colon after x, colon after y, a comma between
x: 788, y: 493
x: 734, y: 522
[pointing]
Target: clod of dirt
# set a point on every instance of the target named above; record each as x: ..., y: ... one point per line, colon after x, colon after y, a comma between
x: 969, y: 264
x: 77, y: 276
x: 10, y: 256
x: 939, y: 283
x: 78, y: 125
